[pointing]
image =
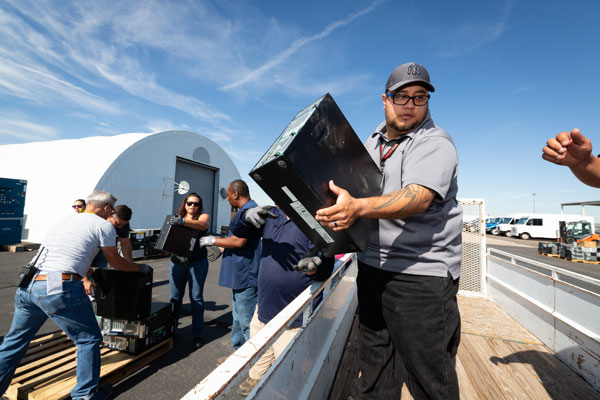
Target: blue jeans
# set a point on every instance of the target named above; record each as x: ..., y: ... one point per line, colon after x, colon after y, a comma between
x: 72, y: 311
x: 195, y: 274
x: 243, y: 305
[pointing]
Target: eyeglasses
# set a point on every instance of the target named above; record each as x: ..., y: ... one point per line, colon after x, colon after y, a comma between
x: 193, y: 203
x: 403, y: 99
x: 77, y: 206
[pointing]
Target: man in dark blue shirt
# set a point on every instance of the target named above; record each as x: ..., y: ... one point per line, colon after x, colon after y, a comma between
x: 289, y: 264
x: 239, y: 267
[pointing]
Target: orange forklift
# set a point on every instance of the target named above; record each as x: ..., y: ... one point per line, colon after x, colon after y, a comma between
x: 577, y: 232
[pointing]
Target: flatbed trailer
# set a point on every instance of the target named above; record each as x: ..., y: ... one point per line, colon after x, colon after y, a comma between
x: 526, y: 333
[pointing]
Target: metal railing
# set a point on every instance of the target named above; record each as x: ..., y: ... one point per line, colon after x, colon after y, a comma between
x: 328, y: 322
x: 559, y: 307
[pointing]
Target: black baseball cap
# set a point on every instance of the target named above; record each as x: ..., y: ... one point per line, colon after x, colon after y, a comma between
x: 406, y: 74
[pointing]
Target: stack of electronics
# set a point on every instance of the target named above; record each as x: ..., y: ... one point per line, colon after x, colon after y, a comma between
x: 143, y: 241
x: 128, y: 319
x: 12, y: 204
x: 137, y: 336
x: 150, y: 242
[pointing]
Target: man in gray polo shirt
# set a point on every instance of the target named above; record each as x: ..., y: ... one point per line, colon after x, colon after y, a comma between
x: 408, y: 274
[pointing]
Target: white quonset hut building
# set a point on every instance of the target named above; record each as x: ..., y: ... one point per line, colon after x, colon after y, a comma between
x: 142, y: 170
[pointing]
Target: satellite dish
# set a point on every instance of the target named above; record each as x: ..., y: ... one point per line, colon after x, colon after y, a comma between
x: 182, y: 187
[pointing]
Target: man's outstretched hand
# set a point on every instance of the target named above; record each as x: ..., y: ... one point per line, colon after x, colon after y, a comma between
x: 567, y: 148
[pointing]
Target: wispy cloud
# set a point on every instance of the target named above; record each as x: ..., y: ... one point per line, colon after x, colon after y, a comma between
x: 104, y: 61
x: 511, y: 126
x: 16, y: 128
x: 159, y: 125
x: 297, y: 45
x: 43, y: 87
x: 475, y: 35
x: 81, y: 42
x: 524, y: 89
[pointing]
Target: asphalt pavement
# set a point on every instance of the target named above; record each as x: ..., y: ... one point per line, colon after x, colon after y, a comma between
x: 528, y: 249
x: 175, y: 373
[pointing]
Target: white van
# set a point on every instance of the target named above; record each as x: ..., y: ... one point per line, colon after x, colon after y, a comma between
x: 506, y: 224
x: 544, y: 225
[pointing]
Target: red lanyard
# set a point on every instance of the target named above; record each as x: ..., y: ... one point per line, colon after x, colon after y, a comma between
x: 382, y: 158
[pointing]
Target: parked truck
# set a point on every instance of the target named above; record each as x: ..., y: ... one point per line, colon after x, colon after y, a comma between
x: 504, y: 227
x: 491, y: 225
x: 545, y: 226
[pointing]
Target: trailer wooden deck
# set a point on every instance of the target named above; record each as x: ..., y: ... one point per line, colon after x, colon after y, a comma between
x: 497, y: 360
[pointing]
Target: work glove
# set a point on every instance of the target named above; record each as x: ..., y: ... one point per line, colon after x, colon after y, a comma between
x: 207, y: 241
x: 145, y: 269
x: 213, y: 253
x: 308, y: 264
x: 256, y: 216
x: 176, y: 220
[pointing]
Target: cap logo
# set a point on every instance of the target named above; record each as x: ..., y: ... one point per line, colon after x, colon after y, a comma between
x: 413, y: 69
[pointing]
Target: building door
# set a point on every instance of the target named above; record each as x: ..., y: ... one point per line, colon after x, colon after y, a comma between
x: 201, y: 179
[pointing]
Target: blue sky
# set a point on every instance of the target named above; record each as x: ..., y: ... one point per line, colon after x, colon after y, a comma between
x: 508, y: 76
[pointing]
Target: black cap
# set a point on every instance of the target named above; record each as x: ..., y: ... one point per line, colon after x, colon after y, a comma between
x: 406, y: 74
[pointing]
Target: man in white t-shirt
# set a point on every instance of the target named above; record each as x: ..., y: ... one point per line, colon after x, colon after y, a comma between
x: 57, y: 292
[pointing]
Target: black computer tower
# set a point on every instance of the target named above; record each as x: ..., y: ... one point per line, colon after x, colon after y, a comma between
x: 122, y: 294
x: 176, y: 239
x: 136, y: 345
x: 317, y: 146
x: 161, y: 314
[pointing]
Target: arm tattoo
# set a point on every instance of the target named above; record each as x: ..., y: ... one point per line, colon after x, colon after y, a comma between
x: 410, y: 194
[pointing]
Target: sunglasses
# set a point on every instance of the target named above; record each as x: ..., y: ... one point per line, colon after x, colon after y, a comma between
x: 193, y: 203
x: 78, y: 206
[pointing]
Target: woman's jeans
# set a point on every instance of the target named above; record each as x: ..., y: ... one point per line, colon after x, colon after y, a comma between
x: 194, y: 274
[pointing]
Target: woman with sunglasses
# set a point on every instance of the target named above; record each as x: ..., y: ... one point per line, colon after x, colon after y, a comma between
x: 79, y: 205
x: 191, y: 270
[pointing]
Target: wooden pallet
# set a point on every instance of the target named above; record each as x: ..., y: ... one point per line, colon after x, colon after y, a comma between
x: 583, y: 261
x: 47, y: 372
x: 549, y: 255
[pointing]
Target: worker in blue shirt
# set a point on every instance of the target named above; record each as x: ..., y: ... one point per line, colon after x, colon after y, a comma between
x: 239, y: 267
x: 289, y: 264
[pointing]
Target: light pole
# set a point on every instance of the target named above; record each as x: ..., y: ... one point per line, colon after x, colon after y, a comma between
x: 533, y: 194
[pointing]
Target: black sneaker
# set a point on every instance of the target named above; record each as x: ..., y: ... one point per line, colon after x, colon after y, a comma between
x: 103, y: 392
